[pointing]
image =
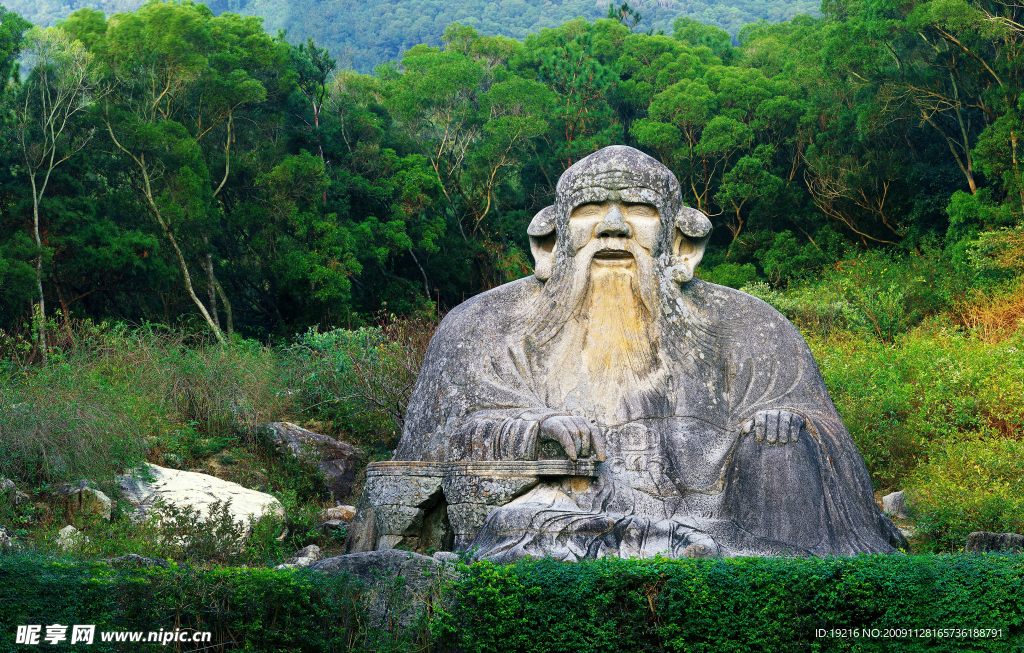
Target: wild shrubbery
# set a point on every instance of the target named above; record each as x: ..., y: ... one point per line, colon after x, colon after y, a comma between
x: 925, y: 363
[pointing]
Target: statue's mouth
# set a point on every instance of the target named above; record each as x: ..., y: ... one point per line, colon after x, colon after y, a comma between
x: 614, y: 255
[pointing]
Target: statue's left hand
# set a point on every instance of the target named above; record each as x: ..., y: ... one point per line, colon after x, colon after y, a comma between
x: 774, y: 426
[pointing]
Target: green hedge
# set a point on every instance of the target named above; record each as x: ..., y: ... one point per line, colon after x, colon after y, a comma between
x: 745, y: 604
x: 244, y: 609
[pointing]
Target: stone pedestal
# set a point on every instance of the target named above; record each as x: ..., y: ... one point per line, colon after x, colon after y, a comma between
x: 431, y: 506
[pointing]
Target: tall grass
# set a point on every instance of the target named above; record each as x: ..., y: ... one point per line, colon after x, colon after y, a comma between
x: 110, y: 396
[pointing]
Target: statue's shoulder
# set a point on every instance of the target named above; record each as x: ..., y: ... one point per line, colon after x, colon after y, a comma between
x: 494, y: 308
x: 742, y: 316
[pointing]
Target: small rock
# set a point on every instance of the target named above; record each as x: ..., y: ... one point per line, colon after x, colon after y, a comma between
x: 79, y: 498
x: 894, y: 504
x: 7, y: 484
x: 302, y: 558
x: 344, y: 513
x: 311, y: 551
x: 135, y: 560
x: 698, y: 551
x: 69, y: 538
x: 981, y: 541
x: 7, y: 540
x: 336, y: 459
x: 330, y: 525
x: 446, y: 556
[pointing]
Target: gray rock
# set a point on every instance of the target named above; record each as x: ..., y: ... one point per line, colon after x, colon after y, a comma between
x: 197, y: 491
x: 336, y: 459
x: 343, y: 513
x: 135, y: 560
x: 69, y: 538
x: 302, y: 558
x: 79, y: 498
x: 447, y: 556
x: 982, y: 541
x: 331, y: 524
x: 312, y: 551
x: 894, y: 504
x: 6, y: 485
x: 397, y: 584
x: 7, y: 540
x: 613, y: 405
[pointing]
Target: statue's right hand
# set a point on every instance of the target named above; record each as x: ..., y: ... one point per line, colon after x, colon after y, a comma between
x: 578, y: 437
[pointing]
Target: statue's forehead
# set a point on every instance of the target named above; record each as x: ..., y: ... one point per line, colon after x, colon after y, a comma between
x: 634, y: 194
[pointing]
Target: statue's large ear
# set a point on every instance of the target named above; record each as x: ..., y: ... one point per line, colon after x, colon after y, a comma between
x: 692, y: 232
x: 542, y: 242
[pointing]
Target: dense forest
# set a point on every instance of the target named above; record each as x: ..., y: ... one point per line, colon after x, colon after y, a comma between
x: 364, y: 34
x: 171, y: 164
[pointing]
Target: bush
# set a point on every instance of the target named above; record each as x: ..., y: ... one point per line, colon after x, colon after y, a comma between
x: 740, y: 604
x: 967, y: 486
x: 244, y: 609
x: 360, y: 380
x: 110, y: 393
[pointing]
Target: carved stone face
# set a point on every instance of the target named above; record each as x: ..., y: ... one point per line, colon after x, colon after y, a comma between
x: 614, y: 223
x: 617, y: 200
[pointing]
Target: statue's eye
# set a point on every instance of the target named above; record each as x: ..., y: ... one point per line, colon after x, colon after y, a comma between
x: 587, y: 211
x: 641, y: 211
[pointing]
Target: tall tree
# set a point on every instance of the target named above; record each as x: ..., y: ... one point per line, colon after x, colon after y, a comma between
x: 59, y: 87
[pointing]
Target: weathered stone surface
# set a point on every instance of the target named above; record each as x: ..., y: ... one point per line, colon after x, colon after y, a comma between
x: 302, y: 558
x: 336, y: 459
x: 614, y: 405
x: 79, y: 498
x: 397, y: 584
x: 198, y: 491
x: 981, y: 541
x: 894, y: 504
x: 344, y: 513
x: 7, y: 485
x: 69, y: 538
x: 135, y: 560
x: 7, y: 541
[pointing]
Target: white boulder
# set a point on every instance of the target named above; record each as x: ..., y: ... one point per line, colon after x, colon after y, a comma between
x: 182, y: 489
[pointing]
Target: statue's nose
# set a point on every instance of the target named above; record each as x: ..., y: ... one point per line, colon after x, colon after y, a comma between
x: 613, y: 225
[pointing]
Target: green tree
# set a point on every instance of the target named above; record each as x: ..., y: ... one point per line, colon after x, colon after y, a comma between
x: 59, y: 88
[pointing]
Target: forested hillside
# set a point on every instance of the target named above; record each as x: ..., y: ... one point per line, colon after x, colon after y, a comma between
x: 364, y: 33
x: 194, y: 166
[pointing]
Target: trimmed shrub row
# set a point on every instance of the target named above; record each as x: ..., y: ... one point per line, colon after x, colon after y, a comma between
x: 866, y: 603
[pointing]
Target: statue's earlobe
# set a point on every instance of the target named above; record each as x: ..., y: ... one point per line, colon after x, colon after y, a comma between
x: 692, y: 233
x: 543, y: 239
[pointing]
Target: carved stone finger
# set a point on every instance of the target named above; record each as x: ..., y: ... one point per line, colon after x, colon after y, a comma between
x: 796, y: 423
x: 759, y: 424
x: 567, y: 440
x: 747, y: 427
x: 772, y: 426
x: 784, y: 426
x: 598, y: 439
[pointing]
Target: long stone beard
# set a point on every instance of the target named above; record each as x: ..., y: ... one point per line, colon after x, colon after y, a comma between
x: 618, y: 340
x: 596, y: 337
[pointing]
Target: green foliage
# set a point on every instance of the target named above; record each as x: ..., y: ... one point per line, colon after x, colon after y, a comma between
x: 966, y: 486
x: 361, y: 380
x: 109, y: 393
x: 245, y: 609
x: 936, y: 387
x: 744, y: 604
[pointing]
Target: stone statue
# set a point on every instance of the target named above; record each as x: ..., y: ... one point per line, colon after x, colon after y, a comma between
x: 613, y: 405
